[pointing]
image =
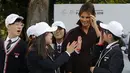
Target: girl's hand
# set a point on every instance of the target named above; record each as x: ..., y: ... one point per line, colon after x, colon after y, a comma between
x: 71, y: 47
x: 92, y: 69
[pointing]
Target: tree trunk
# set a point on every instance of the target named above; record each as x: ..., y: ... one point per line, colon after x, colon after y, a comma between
x: 37, y: 11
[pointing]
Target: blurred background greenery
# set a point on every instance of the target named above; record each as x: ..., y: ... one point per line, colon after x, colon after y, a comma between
x: 21, y: 7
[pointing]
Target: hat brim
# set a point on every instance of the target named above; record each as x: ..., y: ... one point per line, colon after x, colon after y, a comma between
x: 52, y: 29
x: 20, y: 17
x: 104, y: 26
x: 30, y: 30
x: 62, y: 26
x: 57, y: 25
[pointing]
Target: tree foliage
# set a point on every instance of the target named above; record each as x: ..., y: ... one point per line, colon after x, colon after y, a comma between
x: 11, y: 6
x: 93, y: 1
x: 21, y: 7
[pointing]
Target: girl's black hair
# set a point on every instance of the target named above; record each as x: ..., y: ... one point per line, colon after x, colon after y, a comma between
x: 39, y: 45
x: 18, y: 20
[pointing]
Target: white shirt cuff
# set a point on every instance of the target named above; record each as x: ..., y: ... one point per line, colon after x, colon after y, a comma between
x: 67, y: 53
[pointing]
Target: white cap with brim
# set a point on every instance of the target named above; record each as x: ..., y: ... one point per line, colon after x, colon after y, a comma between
x: 59, y: 23
x: 11, y: 19
x: 43, y: 27
x: 114, y: 27
x: 31, y: 30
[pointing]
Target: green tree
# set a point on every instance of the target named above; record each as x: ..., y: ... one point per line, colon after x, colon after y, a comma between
x: 37, y: 10
x: 11, y: 6
x: 93, y: 1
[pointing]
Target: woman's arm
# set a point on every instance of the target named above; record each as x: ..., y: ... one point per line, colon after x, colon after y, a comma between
x: 94, y: 25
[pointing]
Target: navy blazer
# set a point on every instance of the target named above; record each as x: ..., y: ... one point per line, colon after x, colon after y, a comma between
x: 56, y: 51
x: 38, y: 65
x: 111, y: 62
x: 16, y: 61
x: 1, y: 43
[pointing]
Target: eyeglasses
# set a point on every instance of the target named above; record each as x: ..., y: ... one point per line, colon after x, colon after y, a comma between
x: 105, y: 31
x: 19, y: 23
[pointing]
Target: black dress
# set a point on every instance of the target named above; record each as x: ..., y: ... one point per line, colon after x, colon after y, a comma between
x: 80, y: 63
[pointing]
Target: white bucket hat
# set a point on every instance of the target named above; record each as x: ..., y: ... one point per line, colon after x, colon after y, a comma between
x: 59, y: 23
x: 43, y: 27
x: 31, y: 30
x: 114, y: 27
x: 11, y: 19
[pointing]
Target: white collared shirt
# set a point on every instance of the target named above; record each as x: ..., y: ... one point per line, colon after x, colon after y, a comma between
x: 59, y: 44
x: 109, y: 45
x: 13, y: 44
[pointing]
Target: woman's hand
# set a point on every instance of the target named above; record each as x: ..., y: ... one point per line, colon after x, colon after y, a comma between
x: 94, y: 25
x: 93, y: 21
x: 101, y: 41
x: 79, y: 44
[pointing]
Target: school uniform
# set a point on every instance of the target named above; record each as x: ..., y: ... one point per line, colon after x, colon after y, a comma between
x: 12, y: 60
x: 37, y: 64
x: 110, y: 60
x: 57, y: 49
x: 96, y: 53
x: 1, y: 43
x: 57, y: 53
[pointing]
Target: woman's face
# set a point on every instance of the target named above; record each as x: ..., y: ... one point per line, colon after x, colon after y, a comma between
x: 48, y: 38
x: 85, y: 19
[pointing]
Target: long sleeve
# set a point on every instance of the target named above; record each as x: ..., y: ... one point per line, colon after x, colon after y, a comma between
x: 47, y: 63
x: 23, y: 67
x: 96, y: 53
